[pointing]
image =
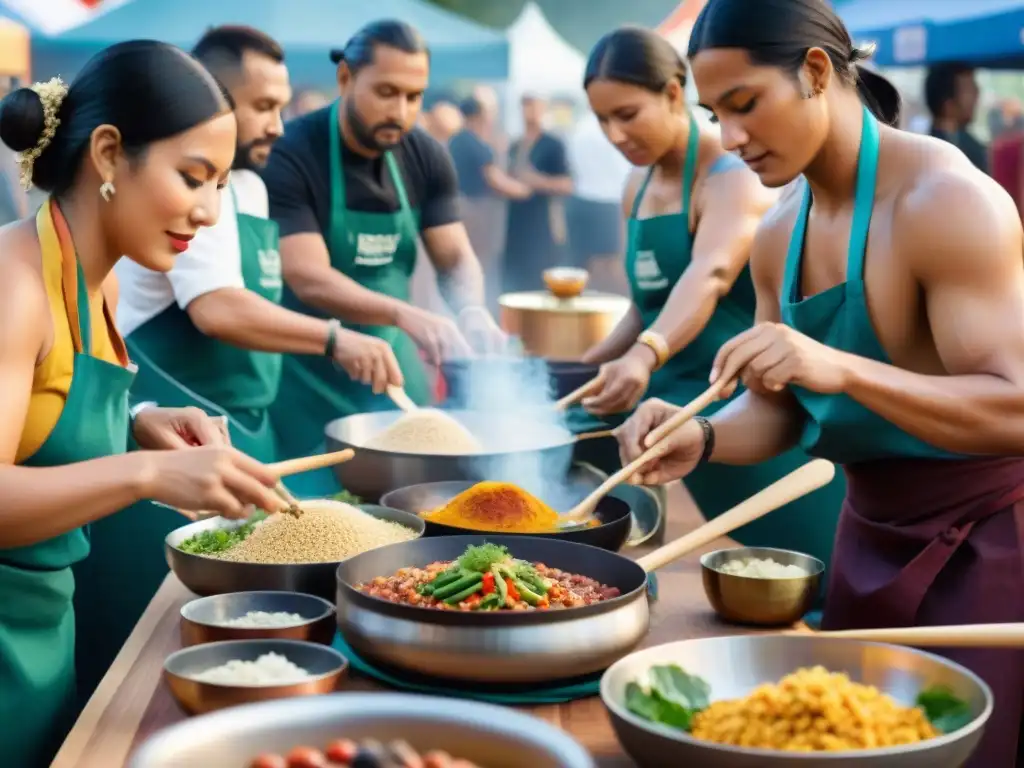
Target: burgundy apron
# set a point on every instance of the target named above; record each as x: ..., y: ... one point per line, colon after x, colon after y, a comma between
x: 925, y: 537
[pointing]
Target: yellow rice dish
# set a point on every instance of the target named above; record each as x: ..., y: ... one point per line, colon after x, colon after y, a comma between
x: 813, y: 710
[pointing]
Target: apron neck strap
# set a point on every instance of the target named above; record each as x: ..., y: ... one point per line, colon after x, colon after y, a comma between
x: 863, y: 205
x: 864, y: 197
x: 688, y: 175
x: 49, y: 225
x: 56, y: 245
x: 338, y: 197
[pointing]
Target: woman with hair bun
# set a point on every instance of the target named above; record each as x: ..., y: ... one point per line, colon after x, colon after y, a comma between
x: 890, y: 292
x: 132, y: 155
x: 692, y: 209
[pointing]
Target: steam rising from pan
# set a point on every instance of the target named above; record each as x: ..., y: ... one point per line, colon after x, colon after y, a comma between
x: 521, y: 388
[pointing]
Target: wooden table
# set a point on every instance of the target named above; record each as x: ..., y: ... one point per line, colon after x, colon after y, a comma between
x: 132, y: 702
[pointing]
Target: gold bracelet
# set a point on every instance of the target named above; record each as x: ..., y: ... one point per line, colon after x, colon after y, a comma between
x: 657, y: 344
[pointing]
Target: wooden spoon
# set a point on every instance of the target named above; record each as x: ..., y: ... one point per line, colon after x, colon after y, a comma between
x: 309, y: 463
x: 577, y: 394
x: 402, y: 400
x: 801, y: 481
x: 695, y: 406
x: 960, y: 636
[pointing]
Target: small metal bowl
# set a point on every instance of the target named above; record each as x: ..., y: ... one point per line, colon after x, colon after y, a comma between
x: 202, y: 620
x: 566, y: 282
x: 762, y: 602
x: 324, y: 664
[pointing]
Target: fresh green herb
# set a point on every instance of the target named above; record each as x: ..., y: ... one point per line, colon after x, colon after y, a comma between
x: 481, y: 557
x: 347, y: 498
x: 673, y: 699
x: 946, y: 711
x: 221, y: 539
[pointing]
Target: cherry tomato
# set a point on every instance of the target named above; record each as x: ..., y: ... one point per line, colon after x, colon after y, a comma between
x: 342, y: 751
x: 306, y: 757
x: 269, y: 761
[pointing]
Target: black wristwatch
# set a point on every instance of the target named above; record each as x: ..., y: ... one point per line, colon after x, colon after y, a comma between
x: 709, y: 439
x: 333, y: 326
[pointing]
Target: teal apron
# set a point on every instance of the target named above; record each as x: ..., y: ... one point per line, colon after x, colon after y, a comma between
x: 657, y: 255
x: 179, y: 366
x: 926, y: 537
x: 37, y: 619
x: 378, y: 251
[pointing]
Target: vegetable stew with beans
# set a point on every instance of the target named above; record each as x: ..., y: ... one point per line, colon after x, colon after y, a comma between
x: 345, y: 753
x: 488, y: 578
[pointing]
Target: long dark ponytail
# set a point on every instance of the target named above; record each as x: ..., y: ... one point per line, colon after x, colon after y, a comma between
x: 779, y: 33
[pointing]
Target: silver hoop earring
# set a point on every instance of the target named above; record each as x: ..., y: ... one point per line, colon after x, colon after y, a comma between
x: 107, y: 191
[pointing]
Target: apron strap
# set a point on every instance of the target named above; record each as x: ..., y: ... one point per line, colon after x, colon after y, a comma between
x: 864, y: 198
x: 690, y: 167
x: 403, y: 198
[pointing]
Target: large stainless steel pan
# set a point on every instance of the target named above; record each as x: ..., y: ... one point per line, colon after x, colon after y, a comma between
x: 492, y: 736
x: 734, y: 666
x: 527, y: 646
x: 514, y: 445
x: 212, y: 576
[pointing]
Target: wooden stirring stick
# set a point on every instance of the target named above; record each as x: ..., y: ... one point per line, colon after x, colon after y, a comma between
x: 309, y: 463
x: 293, y: 504
x: 801, y: 481
x: 962, y: 636
x: 401, y: 399
x: 695, y: 406
x: 595, y: 435
x: 577, y: 394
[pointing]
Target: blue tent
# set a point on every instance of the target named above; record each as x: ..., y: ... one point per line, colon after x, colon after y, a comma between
x: 911, y: 33
x: 307, y: 29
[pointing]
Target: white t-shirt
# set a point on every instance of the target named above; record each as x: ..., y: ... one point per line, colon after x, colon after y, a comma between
x: 213, y: 260
x: 599, y: 170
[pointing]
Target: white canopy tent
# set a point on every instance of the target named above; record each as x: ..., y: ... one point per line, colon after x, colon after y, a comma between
x: 541, y: 63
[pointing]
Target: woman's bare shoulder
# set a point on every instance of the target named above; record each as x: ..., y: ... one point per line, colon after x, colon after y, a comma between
x: 21, y: 281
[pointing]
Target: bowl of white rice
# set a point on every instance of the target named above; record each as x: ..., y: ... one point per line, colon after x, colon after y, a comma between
x: 214, y: 676
x: 762, y: 586
x: 256, y: 615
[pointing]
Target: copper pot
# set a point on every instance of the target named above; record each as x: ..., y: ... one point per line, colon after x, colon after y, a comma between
x: 560, y: 329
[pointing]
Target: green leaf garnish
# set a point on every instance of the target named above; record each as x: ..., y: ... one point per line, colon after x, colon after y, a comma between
x: 944, y: 709
x: 673, y: 699
x: 221, y: 539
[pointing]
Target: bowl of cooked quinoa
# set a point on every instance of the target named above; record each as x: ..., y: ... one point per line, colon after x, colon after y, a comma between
x: 281, y: 551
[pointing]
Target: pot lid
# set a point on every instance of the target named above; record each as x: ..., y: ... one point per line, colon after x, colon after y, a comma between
x: 544, y: 301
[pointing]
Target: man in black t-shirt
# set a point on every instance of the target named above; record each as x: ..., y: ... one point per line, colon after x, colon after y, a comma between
x: 352, y: 187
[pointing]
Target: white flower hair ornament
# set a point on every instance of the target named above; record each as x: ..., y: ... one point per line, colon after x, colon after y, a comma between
x: 51, y: 94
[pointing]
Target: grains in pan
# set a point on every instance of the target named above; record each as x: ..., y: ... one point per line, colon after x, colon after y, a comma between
x: 327, y: 531
x: 813, y: 710
x: 427, y: 430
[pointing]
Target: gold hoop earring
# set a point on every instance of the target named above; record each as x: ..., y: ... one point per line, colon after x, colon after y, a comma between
x: 107, y: 191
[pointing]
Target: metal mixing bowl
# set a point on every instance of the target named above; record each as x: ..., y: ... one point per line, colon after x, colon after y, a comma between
x: 734, y: 666
x: 324, y: 665
x: 764, y: 602
x: 488, y: 735
x: 212, y: 576
x: 513, y: 446
x: 202, y: 620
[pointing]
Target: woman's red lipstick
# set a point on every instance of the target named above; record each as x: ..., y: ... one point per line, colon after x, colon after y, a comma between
x: 179, y: 243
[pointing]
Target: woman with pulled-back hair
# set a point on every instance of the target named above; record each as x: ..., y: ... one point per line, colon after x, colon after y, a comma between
x: 692, y: 209
x: 890, y: 292
x: 132, y: 155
